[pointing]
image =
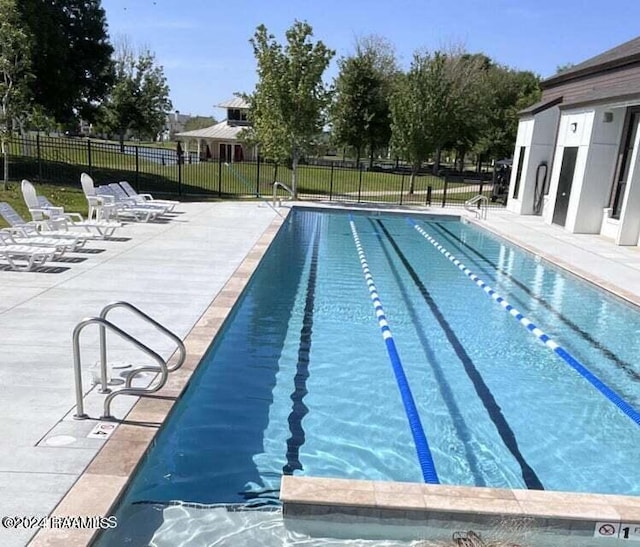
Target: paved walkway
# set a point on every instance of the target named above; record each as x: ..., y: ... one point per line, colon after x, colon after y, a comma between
x: 172, y: 271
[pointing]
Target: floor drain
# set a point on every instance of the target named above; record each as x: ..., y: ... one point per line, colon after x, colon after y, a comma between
x: 60, y: 440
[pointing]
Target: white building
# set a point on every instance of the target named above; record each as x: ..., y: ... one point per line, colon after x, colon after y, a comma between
x: 577, y: 160
x: 220, y: 141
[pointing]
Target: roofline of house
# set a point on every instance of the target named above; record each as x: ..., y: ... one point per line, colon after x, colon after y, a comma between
x: 578, y: 73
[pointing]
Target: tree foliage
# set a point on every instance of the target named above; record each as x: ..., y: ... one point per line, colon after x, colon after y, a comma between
x: 360, y: 111
x: 71, y: 56
x: 433, y: 106
x: 139, y: 100
x: 14, y: 73
x: 286, y: 108
x: 509, y: 91
x: 199, y: 122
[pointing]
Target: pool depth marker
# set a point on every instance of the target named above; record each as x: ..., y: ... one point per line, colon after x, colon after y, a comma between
x: 422, y: 445
x: 603, y: 388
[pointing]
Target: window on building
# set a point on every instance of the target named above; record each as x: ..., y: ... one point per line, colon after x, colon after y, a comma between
x: 237, y: 115
x: 624, y: 162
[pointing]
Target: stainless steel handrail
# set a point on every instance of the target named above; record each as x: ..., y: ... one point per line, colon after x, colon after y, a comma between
x: 77, y: 365
x: 483, y: 206
x: 122, y: 304
x: 277, y: 185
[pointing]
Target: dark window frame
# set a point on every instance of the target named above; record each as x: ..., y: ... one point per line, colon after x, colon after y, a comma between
x: 625, y: 152
x: 516, y: 183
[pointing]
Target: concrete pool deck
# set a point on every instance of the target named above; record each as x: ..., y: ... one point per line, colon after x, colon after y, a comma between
x: 47, y: 462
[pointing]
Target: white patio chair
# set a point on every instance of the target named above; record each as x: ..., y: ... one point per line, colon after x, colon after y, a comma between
x: 146, y: 198
x: 104, y: 205
x: 42, y: 209
x: 20, y: 228
x: 58, y: 245
x: 24, y: 257
x: 122, y: 197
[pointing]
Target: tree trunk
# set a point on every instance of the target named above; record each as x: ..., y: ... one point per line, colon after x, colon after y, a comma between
x: 121, y: 140
x: 294, y: 172
x: 412, y: 178
x: 5, y: 157
x: 436, y: 162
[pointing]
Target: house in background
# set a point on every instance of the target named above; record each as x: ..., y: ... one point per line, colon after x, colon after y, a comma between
x: 174, y: 123
x: 577, y: 154
x: 220, y: 141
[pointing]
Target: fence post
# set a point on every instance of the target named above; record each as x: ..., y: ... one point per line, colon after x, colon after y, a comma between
x: 219, y: 177
x: 444, y: 192
x: 258, y: 178
x: 401, y: 188
x: 480, y: 192
x: 138, y: 171
x: 428, y: 202
x: 89, y: 156
x: 179, y: 175
x: 360, y: 183
x: 39, y: 159
x: 331, y: 183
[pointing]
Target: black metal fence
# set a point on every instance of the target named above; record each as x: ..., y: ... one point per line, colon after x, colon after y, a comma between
x: 61, y: 160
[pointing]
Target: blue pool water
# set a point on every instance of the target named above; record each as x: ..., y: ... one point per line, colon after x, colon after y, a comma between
x: 300, y: 380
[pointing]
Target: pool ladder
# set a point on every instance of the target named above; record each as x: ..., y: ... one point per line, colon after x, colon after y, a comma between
x: 482, y: 205
x: 162, y: 369
x: 277, y: 201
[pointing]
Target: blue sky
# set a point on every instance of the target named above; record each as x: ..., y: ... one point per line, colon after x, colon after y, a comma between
x: 203, y: 45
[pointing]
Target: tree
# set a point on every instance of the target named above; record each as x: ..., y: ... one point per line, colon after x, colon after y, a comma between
x: 139, y: 101
x: 360, y: 111
x: 199, y: 122
x: 286, y: 108
x: 435, y: 106
x: 509, y: 92
x: 71, y: 56
x: 14, y: 74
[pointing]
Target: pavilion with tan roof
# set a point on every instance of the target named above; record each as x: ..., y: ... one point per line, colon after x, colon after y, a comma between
x: 220, y: 141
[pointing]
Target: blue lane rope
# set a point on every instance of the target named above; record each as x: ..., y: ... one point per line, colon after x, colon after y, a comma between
x: 603, y: 388
x: 419, y: 438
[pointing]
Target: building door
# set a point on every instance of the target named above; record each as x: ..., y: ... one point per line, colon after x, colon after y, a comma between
x: 237, y: 153
x: 567, y: 171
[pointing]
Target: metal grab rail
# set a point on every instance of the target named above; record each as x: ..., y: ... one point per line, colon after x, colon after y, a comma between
x: 483, y: 205
x: 103, y: 324
x: 277, y: 185
x: 77, y: 366
x: 164, y: 330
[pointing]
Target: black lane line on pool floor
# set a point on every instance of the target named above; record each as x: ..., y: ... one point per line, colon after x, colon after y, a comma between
x: 493, y: 409
x: 299, y: 410
x: 628, y: 368
x: 446, y: 392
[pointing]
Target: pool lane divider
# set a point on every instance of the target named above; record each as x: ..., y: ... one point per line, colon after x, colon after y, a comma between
x: 531, y: 479
x: 569, y: 359
x: 425, y: 458
x: 625, y: 366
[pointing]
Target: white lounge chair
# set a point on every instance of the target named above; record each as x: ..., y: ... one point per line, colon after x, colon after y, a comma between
x: 18, y: 227
x: 58, y: 245
x: 146, y: 198
x: 42, y: 209
x: 24, y: 257
x: 104, y: 206
x: 122, y: 197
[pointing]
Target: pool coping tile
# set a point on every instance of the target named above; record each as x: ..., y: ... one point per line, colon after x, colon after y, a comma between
x: 107, y: 475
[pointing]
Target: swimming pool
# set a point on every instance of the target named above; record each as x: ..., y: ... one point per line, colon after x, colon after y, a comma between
x: 300, y: 381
